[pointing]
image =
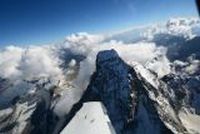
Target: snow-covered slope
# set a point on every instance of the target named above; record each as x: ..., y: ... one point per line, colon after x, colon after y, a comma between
x: 28, y: 113
x: 146, y: 77
x: 92, y: 118
x: 136, y: 98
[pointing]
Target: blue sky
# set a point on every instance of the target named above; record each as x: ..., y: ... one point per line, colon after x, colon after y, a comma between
x: 46, y: 21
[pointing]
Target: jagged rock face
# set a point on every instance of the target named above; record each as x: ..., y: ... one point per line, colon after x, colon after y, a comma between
x: 186, y: 89
x: 111, y: 84
x: 136, y: 100
x: 146, y: 115
x: 28, y: 115
x: 129, y: 107
x: 184, y: 49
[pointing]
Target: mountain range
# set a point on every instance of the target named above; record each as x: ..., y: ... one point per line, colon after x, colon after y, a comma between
x: 143, y: 80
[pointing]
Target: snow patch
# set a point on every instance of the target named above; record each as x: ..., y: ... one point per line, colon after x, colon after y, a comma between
x: 90, y: 119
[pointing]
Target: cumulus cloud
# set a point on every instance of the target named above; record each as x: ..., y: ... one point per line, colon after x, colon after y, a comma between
x: 191, y: 66
x: 141, y: 52
x: 160, y: 64
x: 75, y: 58
x: 69, y: 97
x: 9, y: 61
x: 84, y: 38
x: 18, y: 63
x: 45, y: 61
x: 38, y: 61
x: 28, y: 63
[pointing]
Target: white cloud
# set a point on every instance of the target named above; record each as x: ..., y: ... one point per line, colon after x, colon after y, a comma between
x: 18, y: 63
x: 84, y: 38
x: 9, y: 61
x: 193, y: 67
x: 28, y: 63
x: 44, y: 61
x: 141, y: 52
x: 40, y: 62
x: 69, y: 97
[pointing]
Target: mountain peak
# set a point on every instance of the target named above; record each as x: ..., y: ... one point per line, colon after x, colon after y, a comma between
x: 107, y: 55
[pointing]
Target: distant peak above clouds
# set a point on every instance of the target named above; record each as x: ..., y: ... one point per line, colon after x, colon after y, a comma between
x: 68, y: 66
x: 133, y: 44
x: 182, y: 21
x: 183, y: 27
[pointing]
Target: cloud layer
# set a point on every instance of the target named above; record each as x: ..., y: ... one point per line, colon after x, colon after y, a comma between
x: 75, y: 58
x: 27, y: 63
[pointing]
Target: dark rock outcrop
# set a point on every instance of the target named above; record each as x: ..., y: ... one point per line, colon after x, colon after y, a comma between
x: 124, y: 94
x: 30, y: 113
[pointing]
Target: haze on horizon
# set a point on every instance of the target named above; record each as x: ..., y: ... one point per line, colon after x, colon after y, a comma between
x: 25, y: 22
